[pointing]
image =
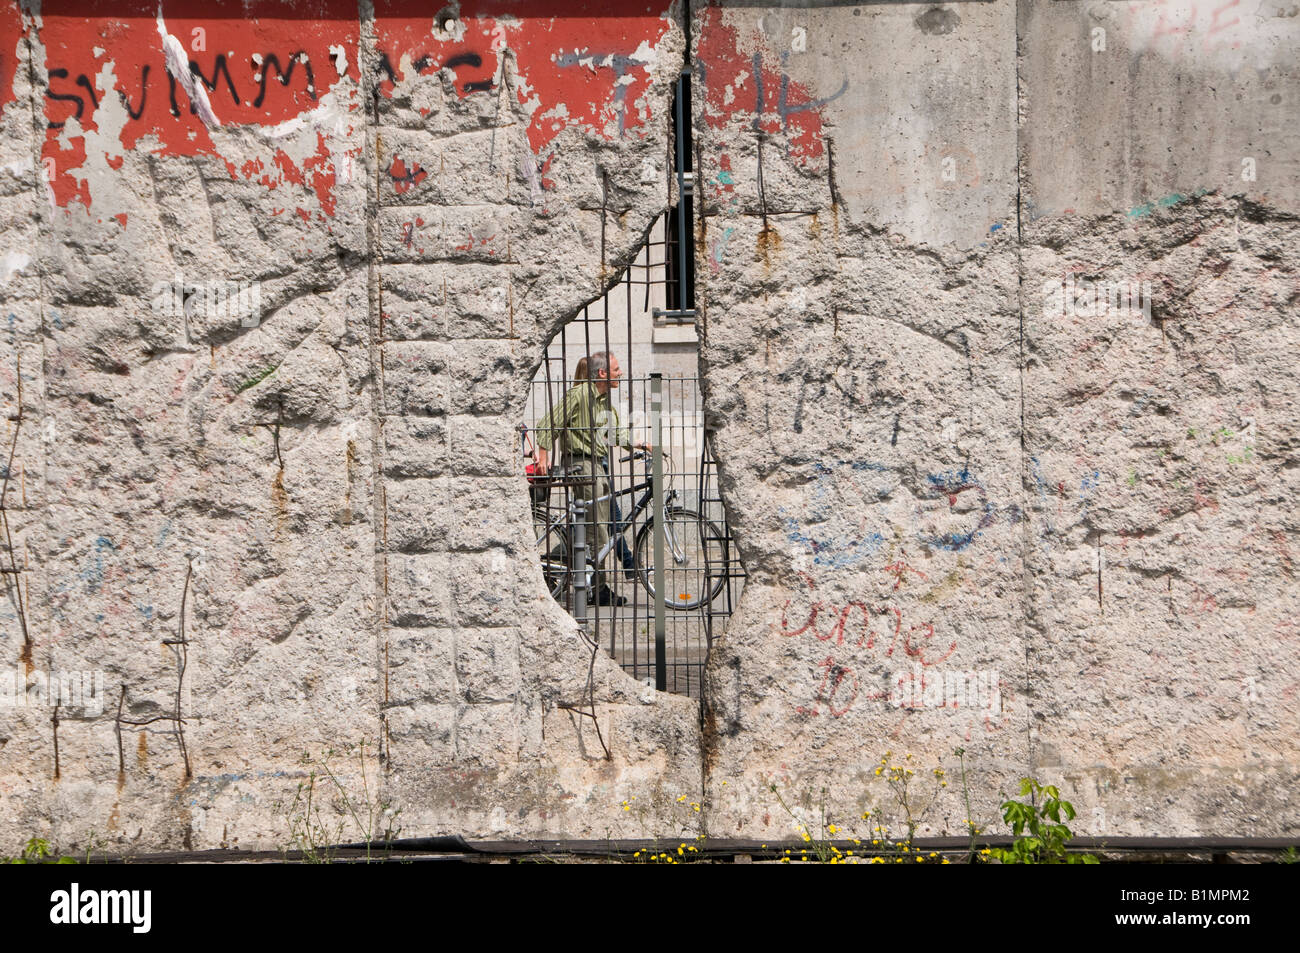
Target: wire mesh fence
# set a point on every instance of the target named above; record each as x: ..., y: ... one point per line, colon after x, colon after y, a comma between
x: 594, y: 409
x: 595, y: 520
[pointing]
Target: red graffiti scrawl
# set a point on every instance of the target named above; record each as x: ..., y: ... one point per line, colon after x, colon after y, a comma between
x: 180, y: 77
x: 744, y: 81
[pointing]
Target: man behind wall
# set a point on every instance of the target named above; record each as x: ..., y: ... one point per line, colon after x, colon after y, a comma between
x: 583, y: 425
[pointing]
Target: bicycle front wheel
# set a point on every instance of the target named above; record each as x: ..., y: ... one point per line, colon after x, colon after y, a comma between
x: 553, y: 550
x: 695, y: 559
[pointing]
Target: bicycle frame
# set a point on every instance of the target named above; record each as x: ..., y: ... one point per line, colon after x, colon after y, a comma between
x: 618, y: 527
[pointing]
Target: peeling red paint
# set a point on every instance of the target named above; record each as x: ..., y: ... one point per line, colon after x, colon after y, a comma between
x: 584, y: 64
x: 11, y: 39
x: 100, y: 48
x: 761, y: 94
x: 404, y: 178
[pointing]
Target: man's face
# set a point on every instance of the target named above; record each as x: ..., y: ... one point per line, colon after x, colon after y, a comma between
x: 610, y: 377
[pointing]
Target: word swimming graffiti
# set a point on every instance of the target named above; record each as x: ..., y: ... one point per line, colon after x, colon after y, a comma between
x: 266, y: 65
x: 865, y: 634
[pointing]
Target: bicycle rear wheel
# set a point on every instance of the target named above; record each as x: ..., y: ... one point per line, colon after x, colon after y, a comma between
x: 702, y: 571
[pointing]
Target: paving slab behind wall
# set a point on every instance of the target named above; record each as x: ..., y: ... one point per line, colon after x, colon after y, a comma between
x: 941, y: 476
x: 422, y: 197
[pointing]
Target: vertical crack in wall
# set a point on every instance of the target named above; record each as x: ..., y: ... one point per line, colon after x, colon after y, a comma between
x: 368, y: 66
x: 1027, y: 628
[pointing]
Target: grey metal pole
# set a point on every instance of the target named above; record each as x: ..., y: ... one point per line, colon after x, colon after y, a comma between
x: 579, y: 570
x: 657, y: 489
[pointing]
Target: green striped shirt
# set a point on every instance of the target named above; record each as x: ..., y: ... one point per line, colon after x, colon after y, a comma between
x: 583, y: 424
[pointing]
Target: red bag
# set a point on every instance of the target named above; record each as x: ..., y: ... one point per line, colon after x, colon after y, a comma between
x: 538, y: 488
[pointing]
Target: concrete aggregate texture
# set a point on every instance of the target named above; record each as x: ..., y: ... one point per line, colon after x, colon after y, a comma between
x: 998, y: 319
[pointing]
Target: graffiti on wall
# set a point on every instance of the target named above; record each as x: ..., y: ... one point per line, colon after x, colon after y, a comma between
x: 843, y: 524
x: 183, y: 79
x: 881, y: 651
x: 745, y: 80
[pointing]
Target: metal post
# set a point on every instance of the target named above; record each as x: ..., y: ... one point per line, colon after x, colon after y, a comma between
x: 657, y: 471
x: 683, y: 190
x: 579, y: 570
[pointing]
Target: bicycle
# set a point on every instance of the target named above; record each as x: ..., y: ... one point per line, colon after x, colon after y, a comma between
x: 695, y: 552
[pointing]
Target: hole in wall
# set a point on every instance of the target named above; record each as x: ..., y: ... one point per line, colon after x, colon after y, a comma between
x: 590, y: 406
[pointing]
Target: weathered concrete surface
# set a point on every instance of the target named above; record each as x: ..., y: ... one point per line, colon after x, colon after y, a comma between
x: 1160, y: 468
x: 915, y: 441
x: 862, y: 368
x: 422, y: 200
x: 1077, y: 526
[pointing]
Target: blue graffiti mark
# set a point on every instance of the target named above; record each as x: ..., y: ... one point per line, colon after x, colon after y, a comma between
x: 950, y: 483
x: 210, y: 785
x: 1039, y: 482
x: 146, y: 611
x: 1086, y: 486
x: 1173, y: 198
x: 844, y: 549
x: 620, y: 64
x: 93, y: 576
x: 783, y: 107
x: 834, y: 553
x: 995, y: 226
x: 167, y: 528
x: 953, y: 481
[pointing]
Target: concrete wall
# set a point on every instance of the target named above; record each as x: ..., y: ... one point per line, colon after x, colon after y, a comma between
x: 422, y: 211
x: 949, y: 462
x: 938, y: 458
